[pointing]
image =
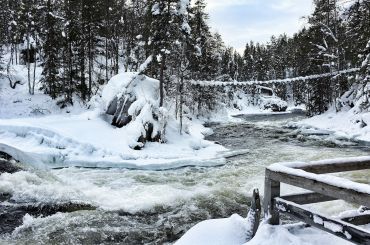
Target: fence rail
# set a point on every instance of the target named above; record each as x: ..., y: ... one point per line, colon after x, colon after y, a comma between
x: 313, y: 177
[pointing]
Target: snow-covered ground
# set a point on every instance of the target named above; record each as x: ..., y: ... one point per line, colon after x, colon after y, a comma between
x: 88, y: 140
x: 342, y: 125
x: 232, y: 231
x: 34, y: 128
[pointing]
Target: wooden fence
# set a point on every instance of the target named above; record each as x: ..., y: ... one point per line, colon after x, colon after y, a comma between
x: 313, y: 177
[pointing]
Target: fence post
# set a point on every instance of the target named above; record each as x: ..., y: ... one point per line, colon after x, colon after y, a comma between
x: 272, y: 190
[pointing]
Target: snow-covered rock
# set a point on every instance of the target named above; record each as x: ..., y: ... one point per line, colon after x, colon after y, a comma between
x: 132, y: 99
x: 273, y: 103
x: 228, y: 231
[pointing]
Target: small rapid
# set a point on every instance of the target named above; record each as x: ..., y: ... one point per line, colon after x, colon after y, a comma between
x: 121, y: 206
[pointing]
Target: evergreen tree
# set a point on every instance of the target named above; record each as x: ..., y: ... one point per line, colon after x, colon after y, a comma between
x: 51, y: 78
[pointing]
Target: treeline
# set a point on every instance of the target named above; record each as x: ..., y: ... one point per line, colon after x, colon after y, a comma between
x: 81, y: 44
x: 335, y: 39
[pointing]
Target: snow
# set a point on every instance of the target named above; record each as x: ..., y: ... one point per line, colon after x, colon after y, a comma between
x: 19, y: 103
x: 286, y: 235
x: 223, y: 231
x: 323, y: 178
x: 34, y: 130
x: 231, y: 231
x: 228, y: 231
x: 86, y: 138
x: 324, y: 162
x: 287, y: 80
x: 343, y: 124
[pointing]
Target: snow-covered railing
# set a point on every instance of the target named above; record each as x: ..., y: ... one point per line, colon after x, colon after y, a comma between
x: 313, y: 176
x: 287, y: 80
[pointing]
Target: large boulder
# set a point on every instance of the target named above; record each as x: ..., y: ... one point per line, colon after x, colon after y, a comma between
x: 133, y: 101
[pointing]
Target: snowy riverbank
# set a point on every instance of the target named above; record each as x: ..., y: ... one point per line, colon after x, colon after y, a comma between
x: 88, y: 140
x: 343, y: 125
x: 37, y: 131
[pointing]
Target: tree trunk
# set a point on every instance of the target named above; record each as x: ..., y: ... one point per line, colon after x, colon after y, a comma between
x: 106, y: 59
x: 161, y: 81
x: 90, y: 63
x: 82, y: 67
x: 117, y: 56
x: 34, y: 70
x: 70, y: 69
x: 181, y: 101
x: 8, y: 70
x: 28, y: 62
x: 16, y: 54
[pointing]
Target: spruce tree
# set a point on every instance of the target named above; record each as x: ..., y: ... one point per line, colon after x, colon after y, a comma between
x: 51, y: 78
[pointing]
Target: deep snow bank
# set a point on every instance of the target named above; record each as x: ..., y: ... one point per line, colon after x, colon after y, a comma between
x: 231, y: 231
x: 88, y: 139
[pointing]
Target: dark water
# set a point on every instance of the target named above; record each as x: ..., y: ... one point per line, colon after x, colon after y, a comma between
x: 115, y: 206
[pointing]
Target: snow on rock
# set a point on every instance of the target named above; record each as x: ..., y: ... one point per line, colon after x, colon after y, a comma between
x: 132, y: 99
x: 228, y: 231
x: 273, y: 103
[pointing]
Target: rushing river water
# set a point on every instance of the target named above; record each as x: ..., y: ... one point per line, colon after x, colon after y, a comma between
x: 117, y: 206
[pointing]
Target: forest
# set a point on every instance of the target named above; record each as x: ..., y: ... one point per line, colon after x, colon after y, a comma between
x: 135, y: 122
x: 81, y: 44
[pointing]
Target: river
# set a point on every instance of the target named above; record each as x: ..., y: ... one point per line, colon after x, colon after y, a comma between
x: 118, y: 206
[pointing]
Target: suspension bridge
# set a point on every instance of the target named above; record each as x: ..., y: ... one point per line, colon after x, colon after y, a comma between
x: 276, y: 81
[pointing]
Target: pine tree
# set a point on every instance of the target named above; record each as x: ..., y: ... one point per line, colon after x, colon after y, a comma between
x: 200, y: 37
x: 249, y: 56
x: 357, y: 17
x: 364, y: 79
x: 51, y: 78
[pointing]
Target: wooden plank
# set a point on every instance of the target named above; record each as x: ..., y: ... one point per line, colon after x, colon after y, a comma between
x: 361, y: 219
x: 272, y: 190
x: 351, y: 165
x: 336, y: 227
x: 307, y: 198
x: 349, y: 195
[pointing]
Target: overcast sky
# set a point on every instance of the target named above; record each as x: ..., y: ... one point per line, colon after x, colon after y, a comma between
x: 239, y: 21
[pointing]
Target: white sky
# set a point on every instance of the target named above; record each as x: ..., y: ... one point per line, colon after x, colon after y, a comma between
x: 240, y: 21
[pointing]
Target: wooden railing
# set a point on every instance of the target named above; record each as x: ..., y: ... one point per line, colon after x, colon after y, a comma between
x: 313, y: 177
